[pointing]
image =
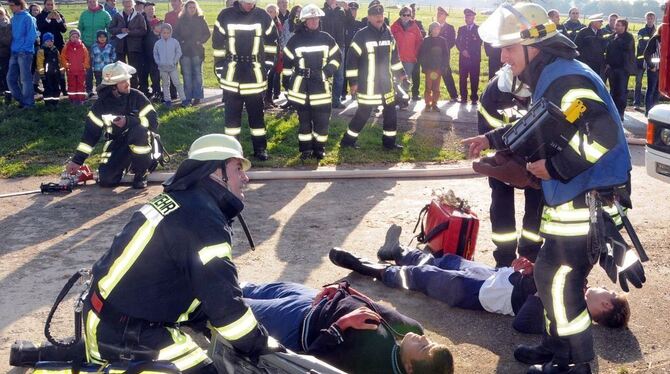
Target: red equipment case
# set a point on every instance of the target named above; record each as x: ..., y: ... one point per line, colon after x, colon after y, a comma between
x: 448, y: 229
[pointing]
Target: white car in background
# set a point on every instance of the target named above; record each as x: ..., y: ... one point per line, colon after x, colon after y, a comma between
x: 657, y: 151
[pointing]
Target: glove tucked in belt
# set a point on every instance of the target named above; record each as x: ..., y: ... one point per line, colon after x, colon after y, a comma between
x: 619, y: 259
x: 507, y: 168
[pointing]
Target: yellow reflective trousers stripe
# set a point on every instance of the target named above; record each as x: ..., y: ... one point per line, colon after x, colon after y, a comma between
x: 92, y: 352
x: 565, y: 327
x: 503, y: 237
x: 531, y: 236
x: 184, y: 353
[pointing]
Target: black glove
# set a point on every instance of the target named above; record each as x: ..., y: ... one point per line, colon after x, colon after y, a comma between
x: 273, y: 346
x: 620, y: 260
x: 630, y: 270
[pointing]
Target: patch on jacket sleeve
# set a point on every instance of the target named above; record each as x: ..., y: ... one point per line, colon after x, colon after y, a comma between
x: 164, y: 204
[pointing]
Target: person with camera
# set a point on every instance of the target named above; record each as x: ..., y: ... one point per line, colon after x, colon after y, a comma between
x: 128, y: 122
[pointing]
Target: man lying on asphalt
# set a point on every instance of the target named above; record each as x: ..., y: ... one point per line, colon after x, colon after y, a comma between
x: 345, y: 328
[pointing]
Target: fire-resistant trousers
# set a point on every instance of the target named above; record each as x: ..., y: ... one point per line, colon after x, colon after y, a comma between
x: 51, y: 83
x: 560, y: 275
x: 361, y: 117
x: 108, y: 341
x: 503, y: 223
x: 131, y: 148
x: 313, y: 127
x: 233, y: 117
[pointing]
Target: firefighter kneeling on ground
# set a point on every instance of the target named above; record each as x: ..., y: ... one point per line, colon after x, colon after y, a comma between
x: 245, y: 45
x: 311, y: 57
x: 172, y: 266
x: 370, y: 64
x: 596, y: 159
x: 129, y: 123
x: 502, y: 93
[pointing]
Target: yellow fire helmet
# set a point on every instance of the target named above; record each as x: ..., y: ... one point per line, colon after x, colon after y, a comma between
x: 214, y: 147
x: 522, y: 23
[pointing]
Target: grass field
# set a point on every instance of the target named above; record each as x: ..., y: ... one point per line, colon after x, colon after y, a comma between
x: 39, y: 141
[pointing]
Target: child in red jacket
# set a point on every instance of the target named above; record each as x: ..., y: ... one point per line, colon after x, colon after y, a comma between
x: 75, y: 60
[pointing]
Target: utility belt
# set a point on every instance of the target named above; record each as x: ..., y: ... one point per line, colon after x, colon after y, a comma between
x: 242, y: 58
x: 108, y: 313
x: 309, y: 73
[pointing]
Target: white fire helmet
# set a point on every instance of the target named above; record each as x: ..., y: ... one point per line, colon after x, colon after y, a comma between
x: 311, y: 11
x: 522, y: 23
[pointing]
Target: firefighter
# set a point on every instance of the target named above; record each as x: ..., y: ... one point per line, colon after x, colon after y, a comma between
x: 591, y: 44
x: 129, y: 123
x: 573, y: 25
x: 498, y: 96
x: 245, y: 47
x: 171, y: 266
x: 597, y: 158
x: 311, y: 57
x: 371, y: 63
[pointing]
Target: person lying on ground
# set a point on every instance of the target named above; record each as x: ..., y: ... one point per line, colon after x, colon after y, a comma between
x: 344, y: 328
x: 472, y: 285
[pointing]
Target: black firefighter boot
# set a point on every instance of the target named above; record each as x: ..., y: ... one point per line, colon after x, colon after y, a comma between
x: 533, y: 354
x: 553, y: 368
x: 140, y: 180
x: 391, y: 250
x: 344, y: 259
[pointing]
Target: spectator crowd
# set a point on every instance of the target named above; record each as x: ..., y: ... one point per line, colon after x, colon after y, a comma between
x: 168, y: 53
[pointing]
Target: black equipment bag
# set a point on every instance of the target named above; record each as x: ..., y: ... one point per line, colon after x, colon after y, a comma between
x: 543, y: 132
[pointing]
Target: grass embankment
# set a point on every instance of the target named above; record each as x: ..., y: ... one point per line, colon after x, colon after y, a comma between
x: 39, y: 141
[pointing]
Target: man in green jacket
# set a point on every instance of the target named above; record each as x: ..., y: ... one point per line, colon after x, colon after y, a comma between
x: 94, y: 18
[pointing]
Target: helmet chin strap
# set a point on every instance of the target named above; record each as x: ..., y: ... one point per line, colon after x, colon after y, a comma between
x: 223, y: 180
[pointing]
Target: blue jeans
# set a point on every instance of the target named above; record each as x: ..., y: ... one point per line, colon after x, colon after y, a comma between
x: 651, y: 97
x: 338, y: 84
x: 191, y: 69
x: 409, y: 71
x: 280, y: 307
x: 20, y: 79
x: 450, y: 278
